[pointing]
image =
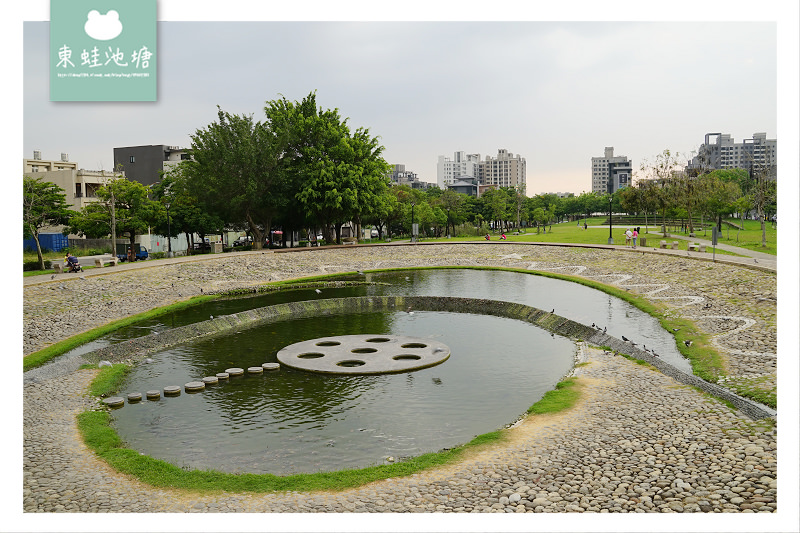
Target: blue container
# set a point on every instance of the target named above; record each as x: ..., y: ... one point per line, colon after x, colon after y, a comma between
x: 49, y: 241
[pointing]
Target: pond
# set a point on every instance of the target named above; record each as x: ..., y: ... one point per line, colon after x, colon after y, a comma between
x: 294, y: 421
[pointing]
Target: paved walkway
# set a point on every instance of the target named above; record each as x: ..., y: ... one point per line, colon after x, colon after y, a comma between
x: 638, y: 442
x: 763, y: 261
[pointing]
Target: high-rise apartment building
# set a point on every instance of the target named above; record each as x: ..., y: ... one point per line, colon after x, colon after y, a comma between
x: 461, y: 165
x: 505, y: 170
x: 719, y: 151
x: 611, y: 173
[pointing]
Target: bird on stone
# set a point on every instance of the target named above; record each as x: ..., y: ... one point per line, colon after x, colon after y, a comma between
x: 604, y: 329
x: 755, y: 260
x: 553, y: 311
x: 593, y: 325
x: 211, y: 317
x: 53, y: 276
x: 318, y: 291
x: 626, y: 339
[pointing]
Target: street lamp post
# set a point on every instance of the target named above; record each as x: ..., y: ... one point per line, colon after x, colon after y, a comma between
x: 169, y: 233
x: 448, y: 222
x: 610, y: 221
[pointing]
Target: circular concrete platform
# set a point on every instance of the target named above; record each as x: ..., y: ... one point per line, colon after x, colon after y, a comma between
x: 364, y: 354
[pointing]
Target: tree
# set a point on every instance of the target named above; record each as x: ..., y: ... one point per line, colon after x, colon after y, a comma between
x: 236, y: 173
x: 333, y: 174
x: 43, y: 204
x: 742, y: 206
x: 132, y: 207
x: 762, y: 190
x: 662, y: 170
x: 186, y: 214
x: 452, y: 203
x: 718, y: 195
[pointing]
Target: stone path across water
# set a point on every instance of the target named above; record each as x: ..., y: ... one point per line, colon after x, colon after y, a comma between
x: 639, y: 441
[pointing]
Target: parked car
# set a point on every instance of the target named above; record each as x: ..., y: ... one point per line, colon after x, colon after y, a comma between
x: 243, y: 241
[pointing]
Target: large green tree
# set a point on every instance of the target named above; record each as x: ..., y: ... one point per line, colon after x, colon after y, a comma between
x: 186, y: 214
x: 334, y: 175
x: 123, y: 202
x: 235, y: 172
x: 44, y: 204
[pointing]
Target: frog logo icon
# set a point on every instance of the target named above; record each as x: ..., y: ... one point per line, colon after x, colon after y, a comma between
x: 103, y: 27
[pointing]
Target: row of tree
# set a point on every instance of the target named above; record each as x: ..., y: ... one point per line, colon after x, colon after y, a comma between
x: 303, y: 169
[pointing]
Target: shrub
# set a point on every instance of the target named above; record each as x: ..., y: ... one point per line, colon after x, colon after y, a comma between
x: 30, y: 266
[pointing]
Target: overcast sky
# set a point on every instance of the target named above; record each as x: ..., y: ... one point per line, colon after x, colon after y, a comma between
x: 556, y: 93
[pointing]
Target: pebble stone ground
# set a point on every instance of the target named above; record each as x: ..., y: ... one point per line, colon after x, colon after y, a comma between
x: 637, y: 442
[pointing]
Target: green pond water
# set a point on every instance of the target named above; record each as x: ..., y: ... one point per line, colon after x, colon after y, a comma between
x: 293, y: 421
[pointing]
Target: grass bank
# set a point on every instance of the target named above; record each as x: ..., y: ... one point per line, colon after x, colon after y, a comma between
x: 44, y: 355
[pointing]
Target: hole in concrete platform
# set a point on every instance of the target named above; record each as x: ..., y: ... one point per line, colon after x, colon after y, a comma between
x: 406, y: 357
x: 328, y: 343
x: 350, y: 363
x: 378, y: 339
x: 311, y: 355
x: 414, y: 345
x: 364, y: 350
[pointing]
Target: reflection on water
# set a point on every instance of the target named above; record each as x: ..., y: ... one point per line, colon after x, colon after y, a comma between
x: 571, y: 300
x: 295, y: 421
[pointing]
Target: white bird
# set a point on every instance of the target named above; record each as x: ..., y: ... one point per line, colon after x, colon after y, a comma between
x: 318, y: 291
x: 211, y: 317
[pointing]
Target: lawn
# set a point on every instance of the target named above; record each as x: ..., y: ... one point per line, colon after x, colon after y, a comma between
x: 570, y: 232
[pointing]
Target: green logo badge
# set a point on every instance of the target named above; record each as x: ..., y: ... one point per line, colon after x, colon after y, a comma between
x: 103, y: 50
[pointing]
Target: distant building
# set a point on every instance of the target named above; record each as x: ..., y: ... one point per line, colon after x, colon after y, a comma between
x: 400, y: 176
x: 79, y: 185
x: 465, y: 185
x: 461, y: 165
x: 610, y: 173
x: 505, y: 170
x: 145, y: 163
x: 719, y: 151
